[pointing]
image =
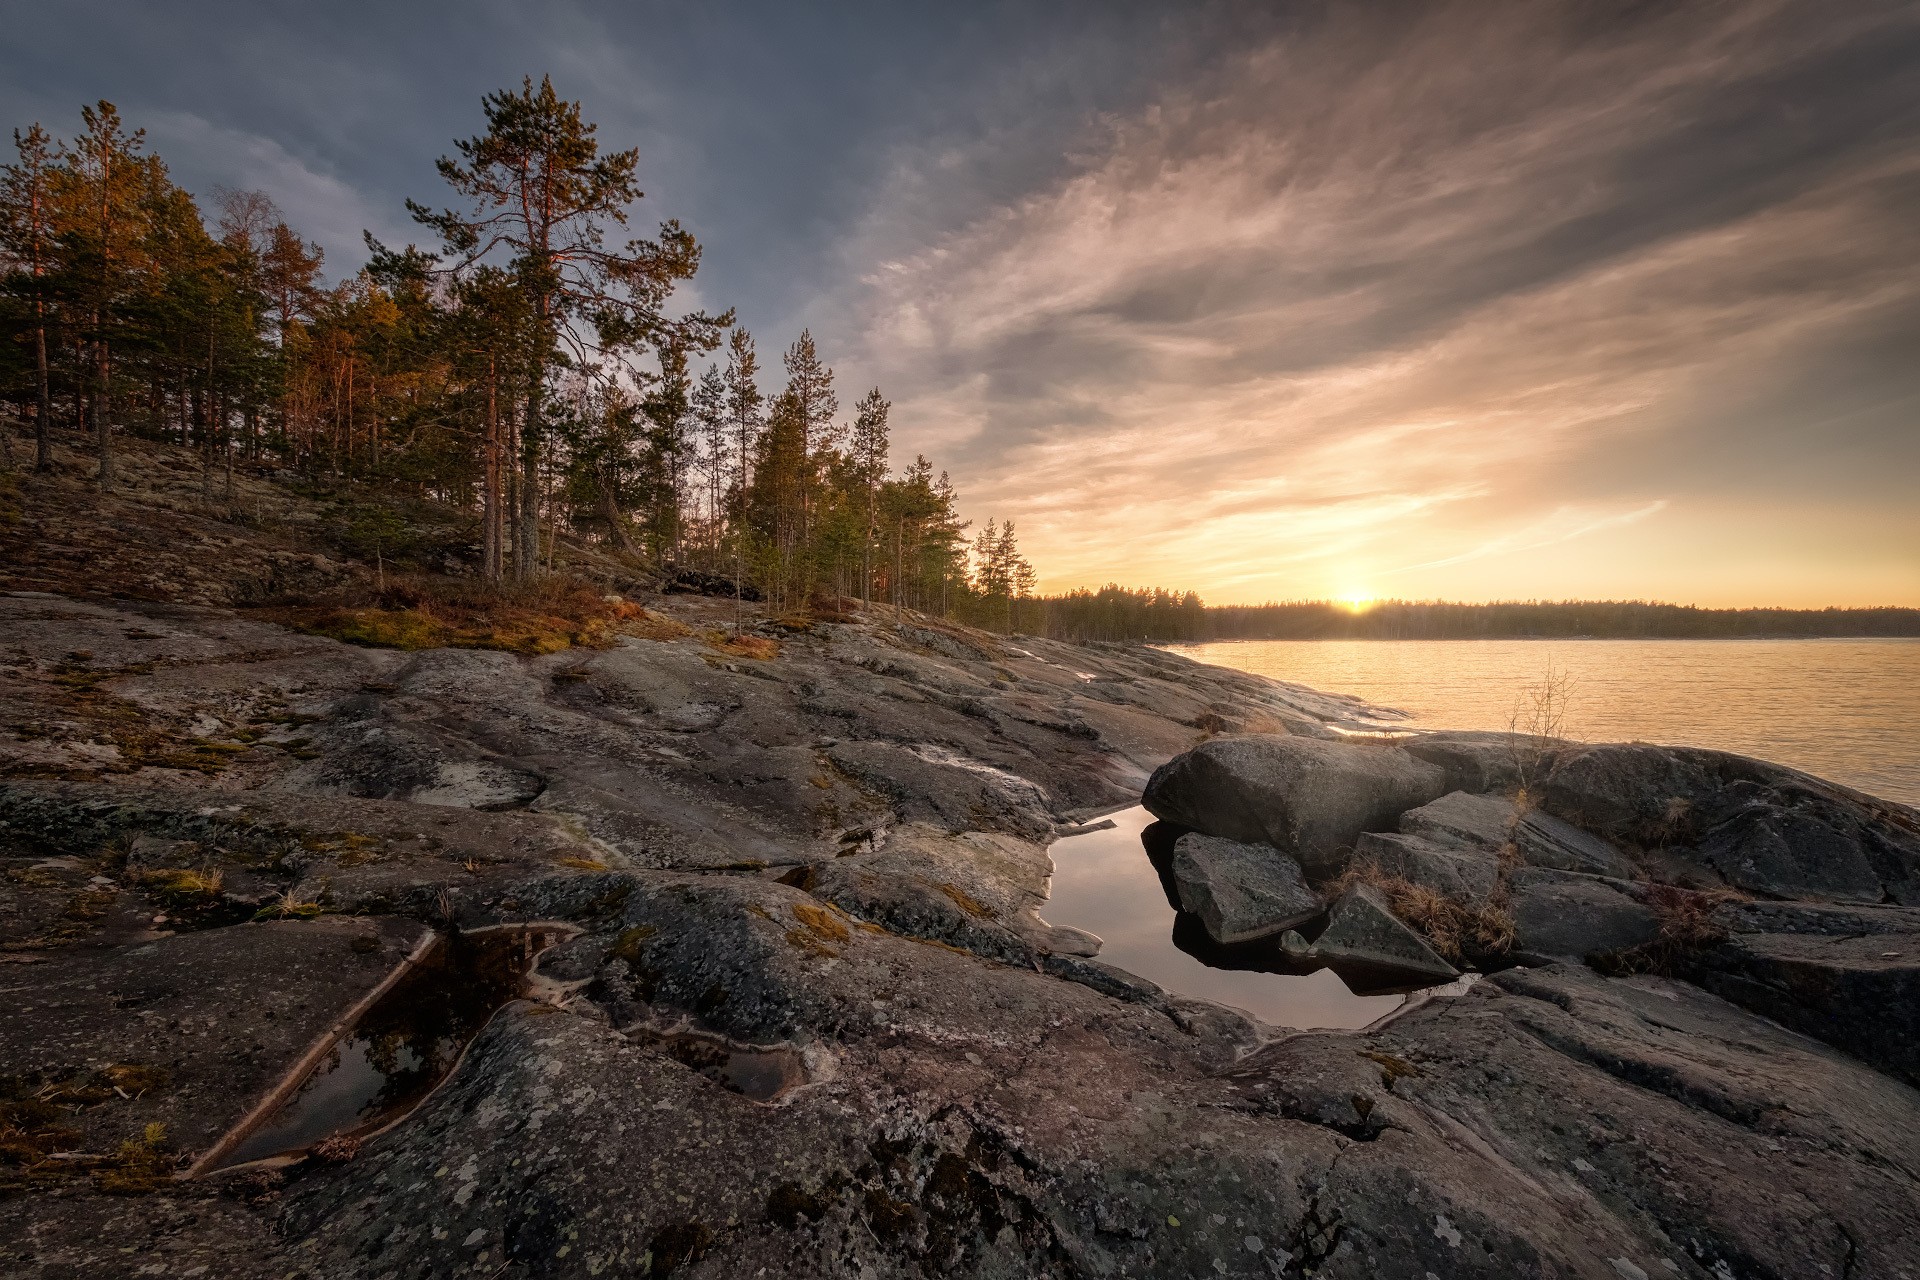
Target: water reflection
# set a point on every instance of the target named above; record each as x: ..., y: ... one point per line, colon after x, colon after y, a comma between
x: 1105, y: 882
x: 403, y: 1045
x: 1842, y: 709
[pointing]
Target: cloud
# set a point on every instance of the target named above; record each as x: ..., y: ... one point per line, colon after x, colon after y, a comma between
x: 1562, y: 525
x: 325, y: 207
x: 1380, y: 286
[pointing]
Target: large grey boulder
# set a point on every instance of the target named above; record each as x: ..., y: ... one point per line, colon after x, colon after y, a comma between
x: 1567, y: 915
x: 1466, y: 876
x: 1363, y: 932
x: 1712, y: 817
x: 1240, y: 891
x: 1459, y: 820
x: 1307, y: 797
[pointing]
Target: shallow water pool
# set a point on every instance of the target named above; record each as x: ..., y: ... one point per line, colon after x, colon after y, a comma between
x: 1105, y: 882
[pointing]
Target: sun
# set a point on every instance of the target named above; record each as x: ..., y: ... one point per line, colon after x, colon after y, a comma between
x: 1356, y: 601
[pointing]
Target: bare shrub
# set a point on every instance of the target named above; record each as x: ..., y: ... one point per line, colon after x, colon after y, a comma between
x: 1536, y: 725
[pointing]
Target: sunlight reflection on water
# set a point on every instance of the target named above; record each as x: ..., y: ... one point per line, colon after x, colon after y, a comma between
x: 1848, y: 710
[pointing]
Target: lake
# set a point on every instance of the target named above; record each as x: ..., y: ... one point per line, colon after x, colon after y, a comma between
x: 1848, y: 710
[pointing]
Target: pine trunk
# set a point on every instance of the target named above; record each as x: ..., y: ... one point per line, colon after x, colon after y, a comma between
x: 490, y: 515
x: 527, y: 553
x: 43, y: 386
x: 102, y: 441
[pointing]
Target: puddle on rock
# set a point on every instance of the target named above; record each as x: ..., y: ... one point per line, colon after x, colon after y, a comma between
x: 762, y: 1074
x: 1105, y: 883
x: 405, y: 1043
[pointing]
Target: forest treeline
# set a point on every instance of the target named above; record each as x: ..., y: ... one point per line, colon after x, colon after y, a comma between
x: 1120, y: 613
x: 525, y: 367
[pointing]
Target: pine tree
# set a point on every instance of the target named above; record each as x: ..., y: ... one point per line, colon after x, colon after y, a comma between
x: 668, y: 408
x: 868, y: 448
x: 27, y: 240
x: 542, y: 198
x: 745, y: 413
x: 290, y: 277
x: 810, y: 385
x: 102, y: 187
x: 715, y: 453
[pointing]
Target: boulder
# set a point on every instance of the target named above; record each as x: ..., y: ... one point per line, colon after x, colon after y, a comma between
x: 1308, y: 798
x: 1474, y: 761
x: 1566, y: 914
x: 1363, y: 932
x: 1547, y: 841
x: 1463, y: 875
x: 1714, y: 817
x: 1240, y: 891
x: 1459, y: 820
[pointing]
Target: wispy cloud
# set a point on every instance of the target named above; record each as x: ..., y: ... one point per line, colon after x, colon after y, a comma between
x: 1384, y: 287
x: 1562, y: 525
x: 328, y: 209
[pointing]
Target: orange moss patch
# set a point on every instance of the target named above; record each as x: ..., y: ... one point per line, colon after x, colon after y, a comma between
x: 435, y: 613
x: 964, y: 900
x: 820, y: 928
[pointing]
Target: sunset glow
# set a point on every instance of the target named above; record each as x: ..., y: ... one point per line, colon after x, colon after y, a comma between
x: 1504, y: 301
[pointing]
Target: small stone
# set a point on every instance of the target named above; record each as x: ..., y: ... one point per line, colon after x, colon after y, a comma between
x: 1240, y: 891
x: 1363, y: 931
x: 1626, y: 1270
x: 1253, y: 1244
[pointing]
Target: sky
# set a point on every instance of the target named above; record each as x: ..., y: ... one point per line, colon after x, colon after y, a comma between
x: 1467, y: 300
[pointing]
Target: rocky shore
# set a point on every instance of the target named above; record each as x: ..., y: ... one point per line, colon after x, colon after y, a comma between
x: 1665, y: 1021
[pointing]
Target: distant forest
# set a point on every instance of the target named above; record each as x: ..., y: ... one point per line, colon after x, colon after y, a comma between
x: 1120, y: 613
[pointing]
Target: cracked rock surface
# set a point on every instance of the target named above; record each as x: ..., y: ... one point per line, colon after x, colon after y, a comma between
x: 837, y: 854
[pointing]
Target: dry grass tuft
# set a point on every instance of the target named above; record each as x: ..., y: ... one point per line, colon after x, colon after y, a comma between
x: 647, y: 625
x: 290, y: 906
x: 1454, y: 928
x: 1686, y: 923
x: 1391, y: 1068
x: 139, y: 1165
x: 183, y: 890
x: 336, y: 1148
x: 759, y: 648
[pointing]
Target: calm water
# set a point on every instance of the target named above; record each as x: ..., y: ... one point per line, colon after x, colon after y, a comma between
x: 1104, y: 883
x: 1848, y: 710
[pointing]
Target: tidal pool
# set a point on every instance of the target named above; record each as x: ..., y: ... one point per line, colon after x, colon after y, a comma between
x: 1105, y: 882
x: 404, y: 1044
